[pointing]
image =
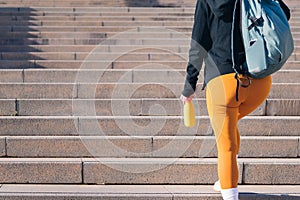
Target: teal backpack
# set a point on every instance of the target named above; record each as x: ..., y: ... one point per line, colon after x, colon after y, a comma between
x: 263, y: 28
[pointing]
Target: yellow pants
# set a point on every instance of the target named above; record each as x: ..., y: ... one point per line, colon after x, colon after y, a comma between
x: 225, y: 112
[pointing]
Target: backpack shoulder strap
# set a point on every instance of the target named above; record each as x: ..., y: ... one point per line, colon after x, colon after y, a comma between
x: 285, y: 9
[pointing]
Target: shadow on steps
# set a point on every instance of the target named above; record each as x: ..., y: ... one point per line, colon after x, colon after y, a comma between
x: 16, y: 39
x: 148, y: 3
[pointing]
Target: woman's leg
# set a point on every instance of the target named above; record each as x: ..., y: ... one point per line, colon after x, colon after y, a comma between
x: 223, y: 111
x: 257, y: 92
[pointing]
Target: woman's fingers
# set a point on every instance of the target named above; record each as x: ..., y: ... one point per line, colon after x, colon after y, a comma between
x: 186, y: 99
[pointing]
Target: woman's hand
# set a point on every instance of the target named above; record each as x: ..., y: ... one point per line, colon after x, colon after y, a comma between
x: 186, y: 99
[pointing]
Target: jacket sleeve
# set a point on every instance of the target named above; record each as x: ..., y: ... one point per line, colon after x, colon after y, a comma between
x: 285, y: 9
x: 200, y: 44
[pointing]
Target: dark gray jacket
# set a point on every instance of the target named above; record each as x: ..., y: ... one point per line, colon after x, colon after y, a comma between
x: 211, y: 41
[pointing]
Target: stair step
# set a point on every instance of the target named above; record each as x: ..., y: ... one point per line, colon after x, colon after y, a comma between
x: 118, y: 90
x: 77, y: 38
x: 95, y: 35
x: 20, y: 90
x: 60, y: 10
x: 151, y: 55
x: 106, y: 64
x: 84, y: 9
x: 52, y: 41
x: 282, y: 107
x: 113, y: 16
x: 41, y: 170
x: 11, y: 75
x: 137, y: 107
x: 152, y: 14
x: 91, y: 48
x: 139, y: 126
x: 103, y: 40
x: 138, y: 13
x: 109, y: 64
x: 143, y: 192
x: 127, y: 18
x: 117, y: 29
x: 121, y: 49
x: 95, y: 41
x: 147, y: 146
x: 97, y: 23
x: 104, y: 48
x: 115, y: 75
x: 143, y: 170
x: 119, y: 18
x: 130, y: 56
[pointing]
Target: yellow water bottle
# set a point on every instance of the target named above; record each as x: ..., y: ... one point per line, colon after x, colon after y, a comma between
x: 189, y: 114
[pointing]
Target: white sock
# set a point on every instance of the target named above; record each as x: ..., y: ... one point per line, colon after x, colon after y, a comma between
x: 230, y: 194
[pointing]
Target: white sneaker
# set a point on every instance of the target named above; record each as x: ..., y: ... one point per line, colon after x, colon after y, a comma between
x: 217, y: 186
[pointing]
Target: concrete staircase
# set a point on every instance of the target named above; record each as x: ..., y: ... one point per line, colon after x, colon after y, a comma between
x: 90, y: 110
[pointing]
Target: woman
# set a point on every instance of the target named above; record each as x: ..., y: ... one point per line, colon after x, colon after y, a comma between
x: 227, y: 102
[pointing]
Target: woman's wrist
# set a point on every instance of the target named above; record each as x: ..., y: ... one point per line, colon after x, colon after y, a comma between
x: 185, y: 99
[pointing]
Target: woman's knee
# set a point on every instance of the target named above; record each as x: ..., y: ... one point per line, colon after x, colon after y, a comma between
x: 225, y: 147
